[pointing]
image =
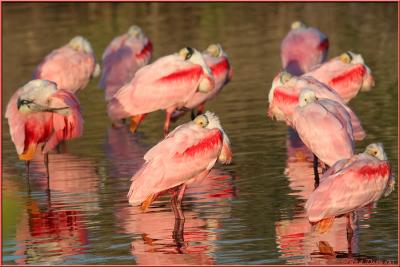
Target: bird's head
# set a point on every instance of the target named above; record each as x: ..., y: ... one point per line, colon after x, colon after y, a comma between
x: 297, y: 25
x: 376, y: 150
x: 215, y: 50
x: 279, y: 80
x: 36, y: 97
x: 80, y: 44
x: 194, y: 56
x: 307, y: 96
x: 209, y: 120
x: 135, y: 31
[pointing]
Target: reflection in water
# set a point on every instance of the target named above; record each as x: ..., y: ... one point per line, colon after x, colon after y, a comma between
x: 49, y: 232
x: 52, y: 224
x: 124, y: 151
x: 164, y: 240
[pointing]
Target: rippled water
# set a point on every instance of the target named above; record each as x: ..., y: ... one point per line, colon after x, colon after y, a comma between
x: 250, y: 212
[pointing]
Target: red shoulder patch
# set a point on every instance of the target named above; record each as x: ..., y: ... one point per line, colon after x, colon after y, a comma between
x: 281, y: 96
x: 357, y: 72
x: 207, y: 143
x: 221, y: 67
x: 324, y: 44
x: 381, y: 170
x: 145, y: 51
x: 192, y: 73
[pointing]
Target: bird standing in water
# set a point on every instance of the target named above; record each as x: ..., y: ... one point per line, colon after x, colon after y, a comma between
x: 166, y: 84
x: 39, y: 113
x: 122, y: 58
x: 186, y: 155
x: 347, y: 74
x: 303, y: 48
x: 325, y: 128
x: 71, y: 67
x: 349, y: 184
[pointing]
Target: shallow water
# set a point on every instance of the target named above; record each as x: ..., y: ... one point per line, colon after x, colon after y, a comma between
x: 250, y: 212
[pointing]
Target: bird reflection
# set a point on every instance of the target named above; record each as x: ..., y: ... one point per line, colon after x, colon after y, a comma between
x: 75, y: 177
x: 160, y: 239
x: 49, y: 231
x: 124, y: 151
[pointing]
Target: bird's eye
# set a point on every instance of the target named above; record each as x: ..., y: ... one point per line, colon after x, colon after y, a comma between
x: 346, y: 57
x: 375, y: 152
x: 285, y: 77
x: 186, y: 53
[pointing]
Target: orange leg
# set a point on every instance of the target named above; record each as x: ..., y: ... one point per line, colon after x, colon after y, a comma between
x: 135, y: 122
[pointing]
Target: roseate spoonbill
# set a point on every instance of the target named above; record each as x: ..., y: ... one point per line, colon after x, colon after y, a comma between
x: 40, y: 113
x: 217, y: 60
x: 347, y: 74
x: 122, y: 58
x: 168, y: 83
x: 324, y: 127
x: 186, y: 155
x: 283, y: 98
x: 303, y: 48
x: 350, y: 184
x: 71, y: 66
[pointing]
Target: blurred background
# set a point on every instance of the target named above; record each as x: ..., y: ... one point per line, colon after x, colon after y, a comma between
x: 250, y: 212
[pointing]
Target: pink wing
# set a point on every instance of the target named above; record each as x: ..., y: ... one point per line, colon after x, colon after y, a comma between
x: 68, y: 126
x: 221, y: 71
x: 184, y: 154
x: 302, y: 49
x: 362, y: 182
x: 346, y: 79
x: 167, y: 83
x: 121, y: 60
x: 69, y: 69
x: 323, y: 133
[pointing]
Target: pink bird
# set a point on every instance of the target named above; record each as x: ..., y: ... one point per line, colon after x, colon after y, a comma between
x: 71, y: 66
x: 122, y: 58
x: 350, y: 184
x: 217, y: 60
x: 347, y: 74
x: 324, y: 127
x: 186, y: 155
x: 283, y: 98
x: 166, y: 84
x: 40, y: 113
x: 303, y: 48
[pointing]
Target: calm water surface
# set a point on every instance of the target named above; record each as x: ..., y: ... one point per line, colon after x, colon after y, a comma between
x: 250, y: 212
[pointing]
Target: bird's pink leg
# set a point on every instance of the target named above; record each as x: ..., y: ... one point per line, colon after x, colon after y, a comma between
x: 167, y: 122
x: 316, y: 175
x: 46, y: 163
x: 177, y: 202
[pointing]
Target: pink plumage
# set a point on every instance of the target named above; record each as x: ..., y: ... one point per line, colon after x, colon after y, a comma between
x: 222, y: 72
x: 346, y: 74
x: 167, y: 84
x: 351, y: 184
x: 187, y: 154
x: 302, y: 48
x: 284, y: 97
x: 325, y: 128
x: 70, y: 67
x: 122, y: 58
x: 39, y: 113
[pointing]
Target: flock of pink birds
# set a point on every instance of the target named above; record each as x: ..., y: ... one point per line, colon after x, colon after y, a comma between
x: 310, y: 95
